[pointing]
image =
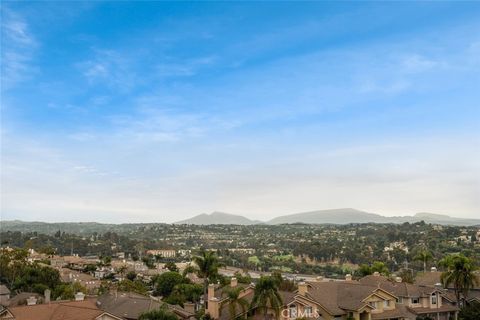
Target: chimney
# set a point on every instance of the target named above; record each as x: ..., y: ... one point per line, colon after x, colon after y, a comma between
x: 211, y: 291
x: 348, y: 277
x: 233, y: 282
x: 31, y: 301
x: 213, y: 308
x: 319, y: 279
x: 189, y: 307
x: 433, y: 269
x: 302, y: 288
x: 376, y: 273
x: 79, y: 296
x: 47, y: 295
x: 398, y: 279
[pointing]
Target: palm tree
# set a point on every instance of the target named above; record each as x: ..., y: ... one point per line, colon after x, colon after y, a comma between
x: 459, y: 273
x: 234, y: 300
x: 266, y: 296
x: 423, y: 256
x: 208, y: 265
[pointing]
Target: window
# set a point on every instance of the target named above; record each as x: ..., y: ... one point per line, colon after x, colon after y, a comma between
x: 373, y: 305
x: 308, y: 312
x: 415, y: 300
x: 386, y: 303
x: 434, y: 298
x: 293, y: 311
x: 400, y: 300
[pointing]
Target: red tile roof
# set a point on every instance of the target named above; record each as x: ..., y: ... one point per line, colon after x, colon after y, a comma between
x: 69, y: 310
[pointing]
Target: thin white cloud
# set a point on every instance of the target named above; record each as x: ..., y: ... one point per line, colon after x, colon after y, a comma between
x: 110, y: 68
x: 185, y: 68
x: 417, y: 63
x: 18, y: 45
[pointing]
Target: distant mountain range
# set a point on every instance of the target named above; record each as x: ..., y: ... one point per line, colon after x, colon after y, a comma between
x: 218, y: 218
x: 333, y: 216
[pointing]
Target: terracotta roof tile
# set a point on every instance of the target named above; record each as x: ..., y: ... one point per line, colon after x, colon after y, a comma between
x: 72, y: 310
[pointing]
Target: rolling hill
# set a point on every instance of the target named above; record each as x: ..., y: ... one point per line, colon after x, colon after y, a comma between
x: 218, y: 218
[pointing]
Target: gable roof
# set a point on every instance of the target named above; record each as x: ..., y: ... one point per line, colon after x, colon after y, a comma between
x: 432, y: 278
x: 4, y: 289
x: 180, y: 312
x: 400, y: 311
x: 127, y: 304
x: 338, y: 297
x: 220, y: 292
x: 5, y: 313
x: 399, y: 289
x: 20, y: 299
x: 70, y: 310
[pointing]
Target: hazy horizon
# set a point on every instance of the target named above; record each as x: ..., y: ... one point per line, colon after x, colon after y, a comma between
x: 159, y: 111
x: 253, y: 217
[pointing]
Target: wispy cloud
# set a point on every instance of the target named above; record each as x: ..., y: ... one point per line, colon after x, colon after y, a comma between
x: 18, y: 46
x: 417, y: 63
x: 109, y: 68
x: 186, y: 68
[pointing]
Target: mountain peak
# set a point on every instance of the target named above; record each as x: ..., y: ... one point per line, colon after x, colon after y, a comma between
x: 217, y: 217
x: 330, y: 216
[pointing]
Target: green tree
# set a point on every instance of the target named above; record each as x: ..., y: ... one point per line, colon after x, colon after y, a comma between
x: 184, y: 292
x: 67, y: 291
x: 424, y: 256
x: 459, y: 273
x: 189, y: 269
x: 266, y: 296
x: 283, y: 284
x: 208, y: 264
x: 121, y: 270
x: 132, y: 286
x: 149, y: 261
x: 470, y: 312
x: 364, y: 270
x: 377, y: 266
x: 160, y: 314
x: 171, y: 266
x: 247, y: 279
x: 165, y: 282
x: 48, y: 250
x: 234, y: 300
x: 406, y: 275
x: 131, y: 275
x: 380, y: 267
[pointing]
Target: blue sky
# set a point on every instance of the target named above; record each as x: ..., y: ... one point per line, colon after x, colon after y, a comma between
x: 156, y: 111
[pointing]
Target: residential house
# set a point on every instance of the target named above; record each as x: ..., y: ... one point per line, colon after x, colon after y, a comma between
x: 130, y: 306
x: 4, y: 295
x: 58, y: 262
x: 433, y: 279
x: 164, y: 253
x: 70, y: 276
x: 431, y: 301
x: 217, y: 299
x: 24, y: 298
x: 104, y: 271
x: 58, y: 310
x: 371, y: 298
